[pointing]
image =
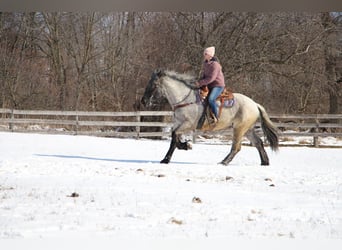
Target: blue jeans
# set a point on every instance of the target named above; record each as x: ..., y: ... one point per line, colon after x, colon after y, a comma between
x: 214, y: 93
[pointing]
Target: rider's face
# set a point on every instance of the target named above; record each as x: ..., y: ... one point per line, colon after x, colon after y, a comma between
x: 207, y: 57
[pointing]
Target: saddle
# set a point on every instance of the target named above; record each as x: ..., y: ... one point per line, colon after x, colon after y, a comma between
x: 226, y: 99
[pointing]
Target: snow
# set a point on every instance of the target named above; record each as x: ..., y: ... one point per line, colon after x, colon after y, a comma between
x: 54, y: 186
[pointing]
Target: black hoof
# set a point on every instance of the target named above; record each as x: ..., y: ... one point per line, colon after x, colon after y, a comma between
x: 223, y: 163
x: 165, y: 161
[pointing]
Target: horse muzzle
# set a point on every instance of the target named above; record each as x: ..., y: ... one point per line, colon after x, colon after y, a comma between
x: 146, y: 102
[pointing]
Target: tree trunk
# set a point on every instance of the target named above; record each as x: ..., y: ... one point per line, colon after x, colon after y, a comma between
x: 331, y: 53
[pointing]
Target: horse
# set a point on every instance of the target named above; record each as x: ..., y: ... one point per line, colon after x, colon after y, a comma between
x: 182, y: 95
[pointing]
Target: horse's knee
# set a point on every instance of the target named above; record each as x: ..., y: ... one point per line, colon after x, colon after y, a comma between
x: 184, y: 146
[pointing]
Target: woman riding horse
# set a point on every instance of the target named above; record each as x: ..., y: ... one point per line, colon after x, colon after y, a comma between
x: 212, y: 77
x: 182, y: 96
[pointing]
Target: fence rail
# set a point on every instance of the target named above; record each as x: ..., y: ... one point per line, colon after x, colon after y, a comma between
x: 312, y: 125
x: 121, y: 124
x: 135, y: 124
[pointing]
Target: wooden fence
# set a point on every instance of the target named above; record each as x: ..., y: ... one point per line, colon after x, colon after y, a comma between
x: 134, y: 124
x: 311, y: 125
x: 116, y: 124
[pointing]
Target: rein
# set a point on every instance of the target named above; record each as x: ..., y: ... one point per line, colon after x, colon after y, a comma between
x: 175, y: 107
x: 182, y: 105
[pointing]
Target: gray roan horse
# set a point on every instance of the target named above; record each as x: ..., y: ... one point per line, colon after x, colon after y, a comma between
x: 183, y: 97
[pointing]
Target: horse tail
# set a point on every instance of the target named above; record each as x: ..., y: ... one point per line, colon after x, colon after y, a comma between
x: 270, y: 131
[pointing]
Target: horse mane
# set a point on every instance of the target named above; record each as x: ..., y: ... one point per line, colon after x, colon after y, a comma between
x: 187, y: 79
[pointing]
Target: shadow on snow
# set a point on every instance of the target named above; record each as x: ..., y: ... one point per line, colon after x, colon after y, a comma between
x: 104, y: 159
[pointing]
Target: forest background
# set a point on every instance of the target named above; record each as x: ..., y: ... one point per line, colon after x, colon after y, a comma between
x: 290, y: 62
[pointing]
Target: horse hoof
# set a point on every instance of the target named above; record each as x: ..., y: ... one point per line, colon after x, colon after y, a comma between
x: 165, y: 161
x: 223, y: 163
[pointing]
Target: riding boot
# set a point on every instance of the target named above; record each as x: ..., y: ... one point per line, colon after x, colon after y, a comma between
x: 202, y: 119
x: 213, y: 119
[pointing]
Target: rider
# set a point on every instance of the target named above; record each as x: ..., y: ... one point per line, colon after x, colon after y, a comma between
x: 212, y: 77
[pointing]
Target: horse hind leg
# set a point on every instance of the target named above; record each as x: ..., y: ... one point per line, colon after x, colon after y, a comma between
x: 236, y: 146
x: 257, y: 142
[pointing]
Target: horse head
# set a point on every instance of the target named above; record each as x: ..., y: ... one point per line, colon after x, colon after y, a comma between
x: 153, y: 95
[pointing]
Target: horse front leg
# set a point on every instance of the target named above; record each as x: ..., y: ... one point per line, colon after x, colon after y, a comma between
x: 172, y: 148
x: 183, y: 144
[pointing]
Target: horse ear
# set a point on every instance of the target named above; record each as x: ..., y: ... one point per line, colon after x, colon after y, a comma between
x: 159, y: 72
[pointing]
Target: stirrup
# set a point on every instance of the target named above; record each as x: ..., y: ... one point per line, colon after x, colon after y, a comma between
x: 212, y: 120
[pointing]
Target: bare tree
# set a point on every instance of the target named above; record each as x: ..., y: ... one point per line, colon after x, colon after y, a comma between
x: 102, y: 61
x: 331, y: 56
x: 54, y: 50
x: 20, y: 65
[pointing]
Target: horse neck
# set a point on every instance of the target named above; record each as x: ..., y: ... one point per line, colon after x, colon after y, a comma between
x: 177, y: 92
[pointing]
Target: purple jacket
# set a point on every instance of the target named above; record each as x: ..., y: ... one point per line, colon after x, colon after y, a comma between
x: 212, y: 75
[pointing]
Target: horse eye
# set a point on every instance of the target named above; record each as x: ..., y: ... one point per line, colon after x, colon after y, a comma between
x: 157, y: 83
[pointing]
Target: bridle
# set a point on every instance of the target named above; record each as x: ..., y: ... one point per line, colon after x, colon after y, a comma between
x: 180, y: 104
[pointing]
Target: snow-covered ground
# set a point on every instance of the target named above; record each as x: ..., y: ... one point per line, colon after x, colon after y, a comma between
x: 55, y: 186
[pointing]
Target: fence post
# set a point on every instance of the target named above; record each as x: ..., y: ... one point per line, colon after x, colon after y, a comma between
x: 315, y: 139
x: 10, y: 125
x: 76, y: 125
x: 194, y: 136
x: 137, y: 128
